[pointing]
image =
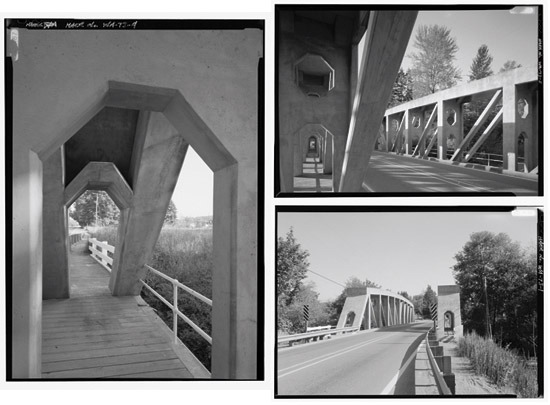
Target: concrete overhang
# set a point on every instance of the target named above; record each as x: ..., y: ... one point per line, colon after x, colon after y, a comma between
x: 475, y: 88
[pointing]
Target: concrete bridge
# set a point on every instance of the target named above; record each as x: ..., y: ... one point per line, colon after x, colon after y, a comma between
x: 116, y: 111
x: 374, y: 308
x: 333, y: 91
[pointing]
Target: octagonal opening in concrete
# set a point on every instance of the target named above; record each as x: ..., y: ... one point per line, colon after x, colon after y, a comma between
x: 523, y: 108
x: 314, y: 75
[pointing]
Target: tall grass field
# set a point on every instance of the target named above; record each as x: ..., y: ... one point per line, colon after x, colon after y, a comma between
x: 502, y: 366
x: 186, y: 255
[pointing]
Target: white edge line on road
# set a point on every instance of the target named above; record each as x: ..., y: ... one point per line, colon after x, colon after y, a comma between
x: 388, y: 390
x: 330, y: 356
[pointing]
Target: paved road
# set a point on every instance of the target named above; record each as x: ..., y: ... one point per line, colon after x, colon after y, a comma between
x: 365, y: 363
x: 398, y: 174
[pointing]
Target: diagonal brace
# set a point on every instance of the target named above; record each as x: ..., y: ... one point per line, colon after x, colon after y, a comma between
x: 479, y: 122
x: 426, y: 127
x: 485, y: 135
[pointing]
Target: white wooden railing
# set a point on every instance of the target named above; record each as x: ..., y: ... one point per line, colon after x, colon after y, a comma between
x: 100, y: 252
x: 174, y: 306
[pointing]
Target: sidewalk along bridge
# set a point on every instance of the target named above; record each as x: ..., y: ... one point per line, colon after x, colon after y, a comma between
x: 94, y: 335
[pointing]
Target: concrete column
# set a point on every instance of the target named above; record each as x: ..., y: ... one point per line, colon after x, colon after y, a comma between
x: 369, y: 309
x: 441, y: 131
x: 385, y: 43
x: 387, y: 125
x: 407, y: 136
x: 26, y: 330
x: 527, y: 124
x: 380, y: 323
x: 55, y: 265
x: 454, y: 130
x: 509, y: 117
x: 298, y: 158
x: 158, y: 169
x: 327, y: 163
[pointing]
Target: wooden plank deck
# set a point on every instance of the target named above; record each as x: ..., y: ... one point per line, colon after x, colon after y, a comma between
x: 94, y: 335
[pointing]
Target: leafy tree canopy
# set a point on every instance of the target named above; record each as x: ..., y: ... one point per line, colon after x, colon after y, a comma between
x: 292, y: 266
x: 509, y: 65
x: 433, y: 62
x: 510, y: 275
x: 95, y: 207
x: 402, y: 88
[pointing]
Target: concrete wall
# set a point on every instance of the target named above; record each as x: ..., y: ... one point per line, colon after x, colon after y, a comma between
x: 448, y: 299
x: 58, y: 80
x: 297, y: 109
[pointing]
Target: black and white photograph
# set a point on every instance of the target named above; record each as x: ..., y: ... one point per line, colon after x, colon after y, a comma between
x: 408, y: 302
x: 137, y: 146
x: 434, y: 100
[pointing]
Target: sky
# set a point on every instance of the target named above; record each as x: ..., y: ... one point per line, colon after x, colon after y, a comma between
x: 401, y: 251
x: 508, y: 36
x: 194, y: 193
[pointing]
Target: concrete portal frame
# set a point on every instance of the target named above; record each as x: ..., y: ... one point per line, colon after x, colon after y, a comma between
x: 325, y: 142
x: 228, y: 312
x: 382, y: 307
x: 448, y: 302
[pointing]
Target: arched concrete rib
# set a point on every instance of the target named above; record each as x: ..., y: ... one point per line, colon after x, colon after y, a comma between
x: 100, y: 176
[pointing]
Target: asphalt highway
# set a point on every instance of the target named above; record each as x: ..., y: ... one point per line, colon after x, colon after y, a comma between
x: 398, y: 174
x: 365, y: 363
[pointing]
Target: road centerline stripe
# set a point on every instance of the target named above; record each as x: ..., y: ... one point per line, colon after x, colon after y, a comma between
x: 326, y: 357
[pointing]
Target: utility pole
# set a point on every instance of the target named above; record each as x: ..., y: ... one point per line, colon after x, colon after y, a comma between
x: 489, y: 332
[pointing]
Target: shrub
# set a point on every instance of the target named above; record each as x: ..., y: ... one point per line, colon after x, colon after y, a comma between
x: 501, y: 365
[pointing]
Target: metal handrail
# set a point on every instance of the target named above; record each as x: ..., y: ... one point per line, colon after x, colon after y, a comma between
x: 174, y: 306
x: 441, y: 384
x: 306, y: 335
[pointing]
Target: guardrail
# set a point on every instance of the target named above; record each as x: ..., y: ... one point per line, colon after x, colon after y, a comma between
x: 174, y: 306
x: 440, y: 382
x: 100, y: 252
x: 314, y: 335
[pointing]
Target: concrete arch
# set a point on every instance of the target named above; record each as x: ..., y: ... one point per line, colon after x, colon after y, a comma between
x: 100, y: 176
x: 234, y: 292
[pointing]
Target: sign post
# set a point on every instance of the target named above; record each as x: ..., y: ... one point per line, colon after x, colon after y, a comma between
x: 306, y: 315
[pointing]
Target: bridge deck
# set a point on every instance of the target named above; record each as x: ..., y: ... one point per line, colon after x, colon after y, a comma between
x: 95, y: 335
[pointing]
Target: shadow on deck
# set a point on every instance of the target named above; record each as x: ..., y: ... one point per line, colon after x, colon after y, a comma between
x: 313, y: 179
x: 94, y: 335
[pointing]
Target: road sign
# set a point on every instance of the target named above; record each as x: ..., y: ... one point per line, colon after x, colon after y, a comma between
x: 306, y: 312
x: 433, y: 311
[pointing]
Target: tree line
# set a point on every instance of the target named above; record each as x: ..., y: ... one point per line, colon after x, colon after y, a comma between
x: 496, y: 276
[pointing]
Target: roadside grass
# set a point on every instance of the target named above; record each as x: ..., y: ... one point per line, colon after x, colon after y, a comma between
x: 502, y: 366
x: 186, y: 255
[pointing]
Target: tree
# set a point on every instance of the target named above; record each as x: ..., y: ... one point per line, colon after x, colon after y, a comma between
x: 171, y: 214
x: 402, y: 88
x: 429, y: 298
x: 337, y: 305
x: 509, y: 274
x: 291, y: 317
x: 292, y: 266
x: 509, y: 65
x: 406, y: 295
x: 433, y: 69
x: 481, y: 65
x: 95, y: 207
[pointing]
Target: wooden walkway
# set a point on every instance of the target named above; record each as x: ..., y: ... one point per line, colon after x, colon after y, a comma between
x: 94, y: 335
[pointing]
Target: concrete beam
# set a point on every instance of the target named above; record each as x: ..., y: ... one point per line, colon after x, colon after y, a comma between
x: 386, y: 41
x: 491, y: 83
x: 159, y: 167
